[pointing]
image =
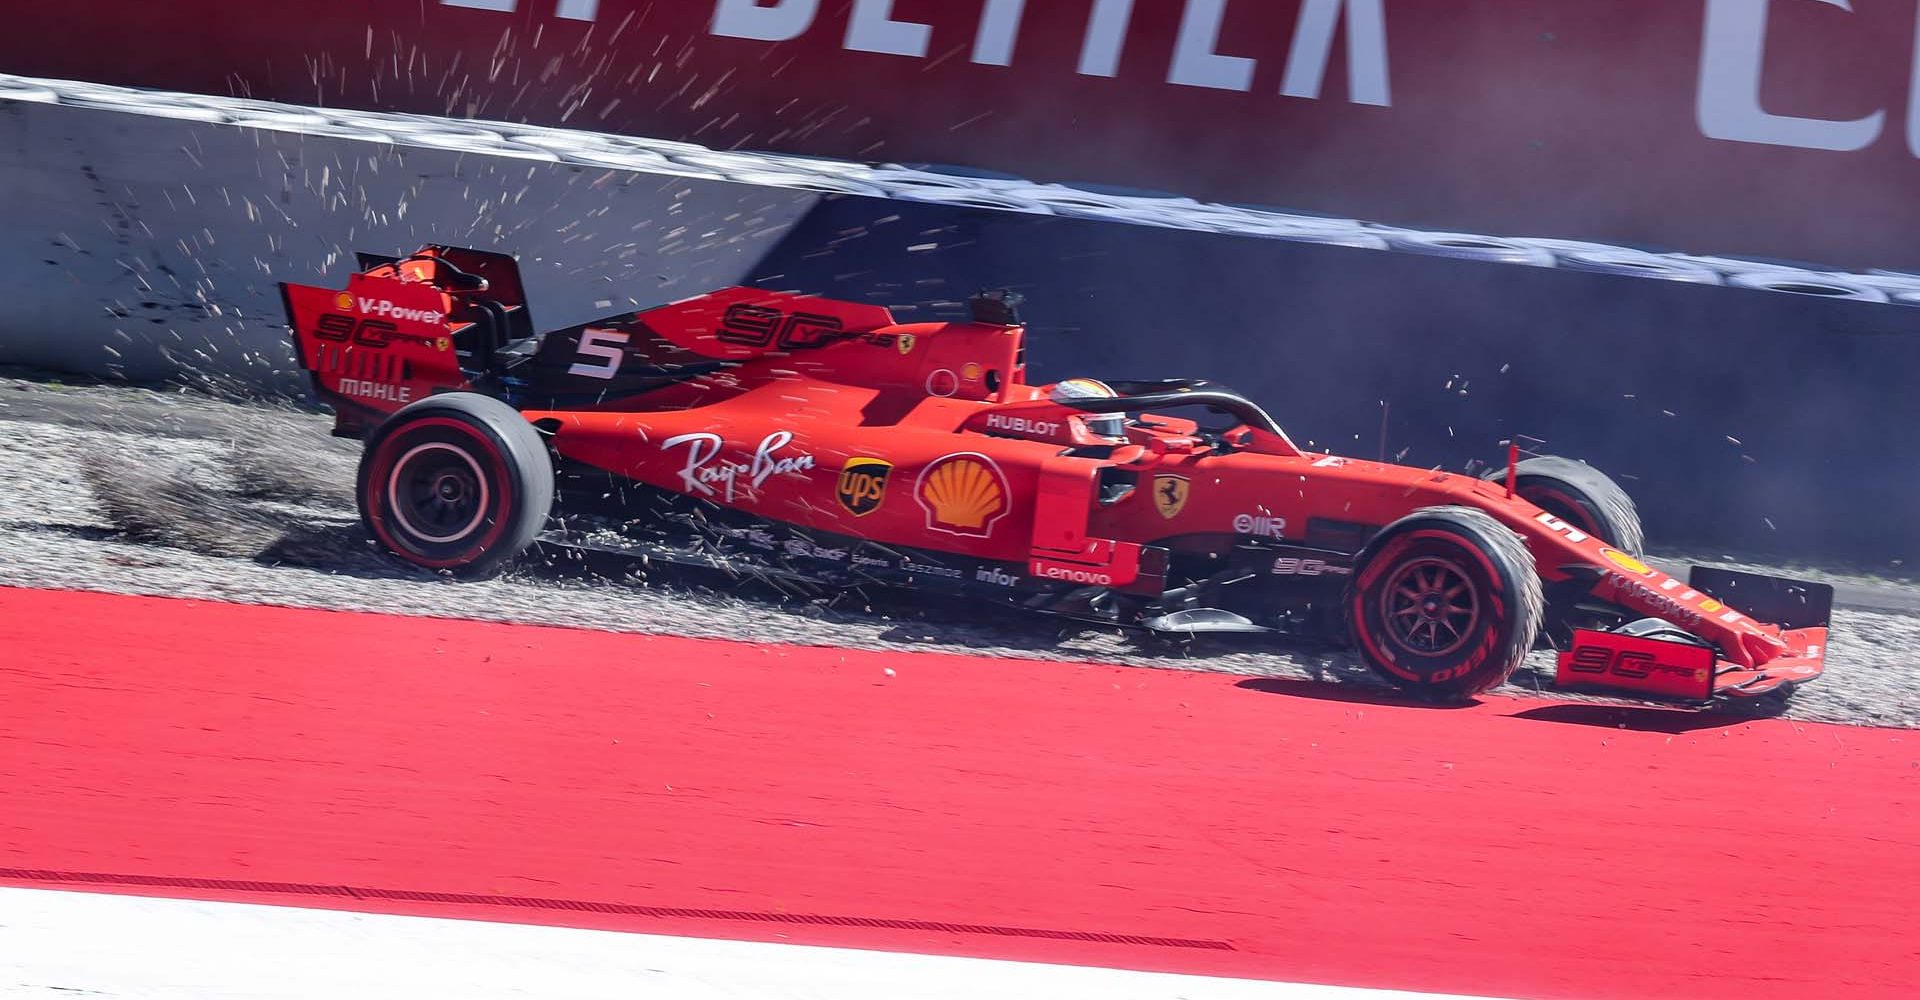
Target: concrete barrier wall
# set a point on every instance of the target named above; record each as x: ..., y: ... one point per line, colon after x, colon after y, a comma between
x: 143, y: 246
x: 1772, y: 423
x: 139, y: 245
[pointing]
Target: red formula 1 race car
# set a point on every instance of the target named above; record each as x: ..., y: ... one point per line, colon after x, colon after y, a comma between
x: 820, y: 439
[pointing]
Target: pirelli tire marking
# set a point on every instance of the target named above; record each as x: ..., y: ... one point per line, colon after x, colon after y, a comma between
x: 1488, y: 643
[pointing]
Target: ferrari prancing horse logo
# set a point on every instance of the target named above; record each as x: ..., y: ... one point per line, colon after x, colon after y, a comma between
x: 1170, y: 495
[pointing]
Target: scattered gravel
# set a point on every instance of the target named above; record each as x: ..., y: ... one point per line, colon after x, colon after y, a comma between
x: 148, y: 492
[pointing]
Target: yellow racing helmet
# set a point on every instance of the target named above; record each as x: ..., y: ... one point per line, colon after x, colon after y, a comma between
x: 1113, y: 425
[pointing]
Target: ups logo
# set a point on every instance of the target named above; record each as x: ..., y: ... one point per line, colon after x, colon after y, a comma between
x: 862, y: 485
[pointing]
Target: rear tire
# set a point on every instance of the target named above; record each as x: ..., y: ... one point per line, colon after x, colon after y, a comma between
x: 1444, y: 603
x: 458, y: 482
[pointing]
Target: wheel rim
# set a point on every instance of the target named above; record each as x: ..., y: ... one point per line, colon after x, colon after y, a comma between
x: 438, y: 493
x: 1430, y: 607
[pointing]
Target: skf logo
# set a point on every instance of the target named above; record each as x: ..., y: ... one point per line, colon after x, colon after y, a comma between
x: 862, y: 485
x: 963, y: 494
x: 1170, y: 495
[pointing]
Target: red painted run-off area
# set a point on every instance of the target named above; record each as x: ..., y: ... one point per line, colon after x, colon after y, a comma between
x: 1515, y: 848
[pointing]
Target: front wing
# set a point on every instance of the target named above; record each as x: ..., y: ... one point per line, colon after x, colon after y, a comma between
x: 1694, y: 671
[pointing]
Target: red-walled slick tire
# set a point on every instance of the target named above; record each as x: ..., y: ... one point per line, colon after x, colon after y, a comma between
x: 458, y: 482
x: 1580, y: 495
x: 1444, y: 603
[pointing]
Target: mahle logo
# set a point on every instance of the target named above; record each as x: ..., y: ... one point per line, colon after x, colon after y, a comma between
x: 862, y: 485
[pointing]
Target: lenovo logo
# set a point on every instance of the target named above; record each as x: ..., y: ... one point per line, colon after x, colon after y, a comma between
x: 1070, y: 574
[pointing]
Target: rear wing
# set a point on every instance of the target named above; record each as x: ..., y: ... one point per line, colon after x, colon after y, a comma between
x: 373, y: 348
x: 405, y: 328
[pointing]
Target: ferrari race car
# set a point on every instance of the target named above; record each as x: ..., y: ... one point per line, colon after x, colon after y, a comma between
x: 802, y: 437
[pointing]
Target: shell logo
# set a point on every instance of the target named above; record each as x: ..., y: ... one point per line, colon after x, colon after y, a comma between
x: 1711, y: 606
x: 963, y: 494
x: 343, y: 301
x: 1627, y: 562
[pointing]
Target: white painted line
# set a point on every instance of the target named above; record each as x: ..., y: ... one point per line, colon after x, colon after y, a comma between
x: 70, y: 944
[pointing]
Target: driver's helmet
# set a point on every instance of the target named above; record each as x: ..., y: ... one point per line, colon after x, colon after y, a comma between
x: 1113, y: 425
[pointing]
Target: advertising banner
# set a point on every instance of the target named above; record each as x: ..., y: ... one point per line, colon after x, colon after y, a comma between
x: 1781, y: 128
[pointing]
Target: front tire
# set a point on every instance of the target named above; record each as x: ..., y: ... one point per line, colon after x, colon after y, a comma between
x: 1580, y: 495
x: 1444, y: 603
x: 458, y: 482
x: 1588, y: 500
